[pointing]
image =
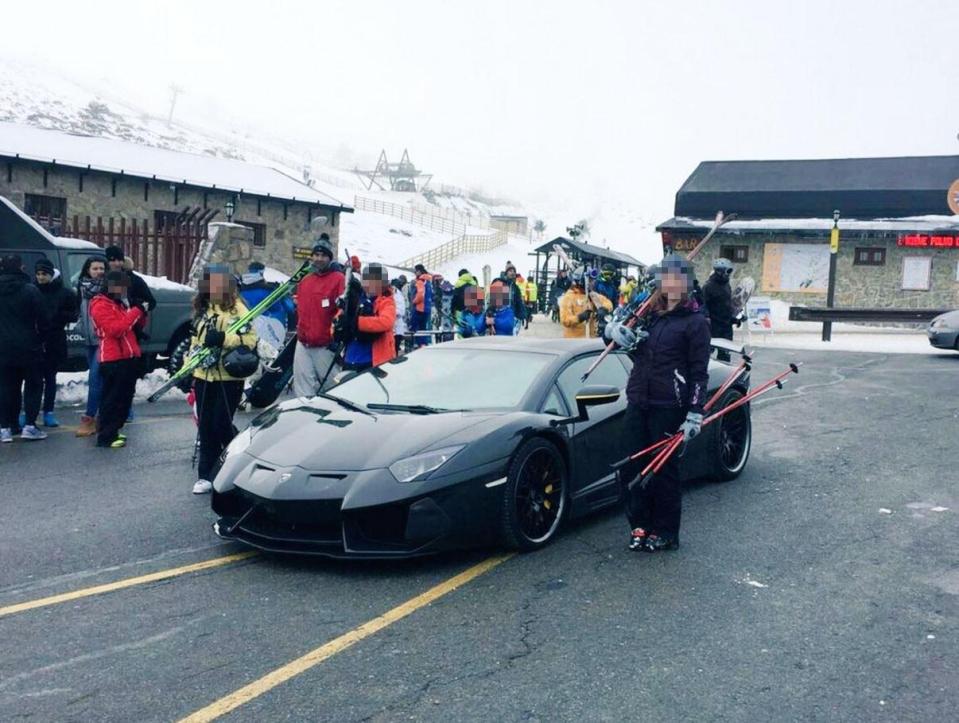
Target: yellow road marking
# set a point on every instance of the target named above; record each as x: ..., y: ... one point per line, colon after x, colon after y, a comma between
x: 122, y: 584
x: 284, y: 673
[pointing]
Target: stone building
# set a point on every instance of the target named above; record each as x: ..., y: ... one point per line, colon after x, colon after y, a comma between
x: 518, y: 225
x: 899, y: 242
x: 63, y: 180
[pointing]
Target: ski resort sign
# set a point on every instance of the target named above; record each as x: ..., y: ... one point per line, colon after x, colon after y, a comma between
x: 922, y: 241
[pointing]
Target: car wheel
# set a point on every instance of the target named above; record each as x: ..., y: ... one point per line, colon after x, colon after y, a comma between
x: 176, y: 361
x: 535, y: 496
x: 734, y: 439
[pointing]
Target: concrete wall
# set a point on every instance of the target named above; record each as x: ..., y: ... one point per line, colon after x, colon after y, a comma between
x: 97, y: 199
x: 856, y: 286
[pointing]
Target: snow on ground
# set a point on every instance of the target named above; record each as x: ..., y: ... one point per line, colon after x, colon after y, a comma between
x: 375, y: 237
x: 877, y: 341
x: 72, y: 387
x: 274, y: 276
x: 162, y: 282
x: 518, y: 253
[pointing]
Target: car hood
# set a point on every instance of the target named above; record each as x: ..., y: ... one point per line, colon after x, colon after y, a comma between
x: 950, y: 319
x: 318, y: 434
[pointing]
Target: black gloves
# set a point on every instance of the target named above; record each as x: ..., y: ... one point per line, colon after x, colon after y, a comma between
x: 584, y: 315
x: 214, y: 338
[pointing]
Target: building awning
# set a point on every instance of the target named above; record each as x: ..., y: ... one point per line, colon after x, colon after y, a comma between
x: 581, y: 250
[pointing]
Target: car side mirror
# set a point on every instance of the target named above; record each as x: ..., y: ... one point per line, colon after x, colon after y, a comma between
x: 591, y: 396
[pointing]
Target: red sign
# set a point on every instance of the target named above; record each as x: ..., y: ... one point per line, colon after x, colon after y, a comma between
x: 929, y: 242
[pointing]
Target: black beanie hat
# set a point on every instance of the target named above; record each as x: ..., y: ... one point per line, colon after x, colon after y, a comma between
x: 113, y: 253
x: 44, y: 264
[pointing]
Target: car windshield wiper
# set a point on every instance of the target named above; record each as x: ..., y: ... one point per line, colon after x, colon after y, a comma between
x: 344, y: 403
x: 413, y: 408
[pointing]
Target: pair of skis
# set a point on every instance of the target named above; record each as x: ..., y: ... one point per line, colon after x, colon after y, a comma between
x: 655, y: 296
x: 204, y: 353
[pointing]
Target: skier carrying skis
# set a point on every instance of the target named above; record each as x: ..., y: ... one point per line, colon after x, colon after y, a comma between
x: 578, y: 312
x: 666, y: 392
x: 314, y: 359
x: 718, y: 297
x: 218, y: 385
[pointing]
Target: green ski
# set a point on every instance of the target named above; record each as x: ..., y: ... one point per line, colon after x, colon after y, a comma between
x: 202, y: 353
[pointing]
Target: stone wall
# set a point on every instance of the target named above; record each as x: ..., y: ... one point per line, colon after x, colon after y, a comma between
x: 856, y: 286
x: 287, y: 223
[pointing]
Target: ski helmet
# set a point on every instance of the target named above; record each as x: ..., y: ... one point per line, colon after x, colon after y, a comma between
x: 723, y: 266
x: 240, y: 362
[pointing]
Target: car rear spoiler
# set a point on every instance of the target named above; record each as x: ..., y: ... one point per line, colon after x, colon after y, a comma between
x: 727, y: 345
x: 19, y: 231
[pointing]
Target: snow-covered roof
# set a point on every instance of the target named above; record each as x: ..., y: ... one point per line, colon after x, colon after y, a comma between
x: 112, y: 156
x: 769, y: 225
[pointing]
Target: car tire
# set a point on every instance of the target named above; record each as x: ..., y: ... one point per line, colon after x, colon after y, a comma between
x: 532, y: 513
x: 733, y: 439
x: 177, y: 355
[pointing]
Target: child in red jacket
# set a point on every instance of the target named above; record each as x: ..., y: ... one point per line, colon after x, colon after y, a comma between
x: 373, y: 342
x: 114, y: 320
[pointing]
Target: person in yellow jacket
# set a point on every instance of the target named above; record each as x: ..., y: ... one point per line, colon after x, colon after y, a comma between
x: 580, y: 313
x: 215, y: 307
x: 530, y: 295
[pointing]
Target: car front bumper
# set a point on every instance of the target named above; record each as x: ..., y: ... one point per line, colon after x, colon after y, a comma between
x: 363, y: 515
x: 943, y: 338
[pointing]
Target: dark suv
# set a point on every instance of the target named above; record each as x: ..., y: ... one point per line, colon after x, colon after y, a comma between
x: 169, y: 322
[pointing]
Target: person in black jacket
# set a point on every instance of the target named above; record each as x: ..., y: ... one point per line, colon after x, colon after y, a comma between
x: 666, y: 392
x: 22, y: 325
x: 61, y: 309
x: 718, y: 297
x: 516, y: 300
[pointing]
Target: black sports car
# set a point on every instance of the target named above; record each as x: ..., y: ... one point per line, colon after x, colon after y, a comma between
x: 466, y: 443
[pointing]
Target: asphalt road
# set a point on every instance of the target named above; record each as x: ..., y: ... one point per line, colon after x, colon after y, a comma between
x: 821, y: 585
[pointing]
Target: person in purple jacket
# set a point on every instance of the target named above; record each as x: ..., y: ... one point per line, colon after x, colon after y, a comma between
x: 666, y: 392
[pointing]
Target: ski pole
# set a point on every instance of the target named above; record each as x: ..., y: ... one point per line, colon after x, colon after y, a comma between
x: 655, y: 296
x: 672, y: 443
x: 730, y: 380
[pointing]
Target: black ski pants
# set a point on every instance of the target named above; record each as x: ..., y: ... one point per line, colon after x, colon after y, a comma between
x: 20, y: 385
x: 216, y: 403
x: 657, y: 508
x: 119, y: 380
x: 50, y: 364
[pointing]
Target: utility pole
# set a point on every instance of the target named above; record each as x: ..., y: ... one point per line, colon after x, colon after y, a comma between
x: 831, y: 289
x: 175, y: 90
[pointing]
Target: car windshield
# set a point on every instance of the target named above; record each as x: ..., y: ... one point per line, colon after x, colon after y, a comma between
x: 443, y: 379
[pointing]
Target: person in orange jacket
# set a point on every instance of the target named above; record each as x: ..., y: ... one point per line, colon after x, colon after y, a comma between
x: 422, y: 304
x: 373, y: 342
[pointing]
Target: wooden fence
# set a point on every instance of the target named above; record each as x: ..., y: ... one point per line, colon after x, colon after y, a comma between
x: 165, y: 249
x: 444, y: 220
x: 465, y: 244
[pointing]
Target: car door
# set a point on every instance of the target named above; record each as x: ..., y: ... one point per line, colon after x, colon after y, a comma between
x: 597, y: 442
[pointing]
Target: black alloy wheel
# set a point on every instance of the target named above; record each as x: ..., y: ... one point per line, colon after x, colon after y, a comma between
x: 734, y: 438
x: 534, y: 496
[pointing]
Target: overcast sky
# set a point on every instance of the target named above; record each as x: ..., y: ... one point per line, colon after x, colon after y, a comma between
x: 570, y: 104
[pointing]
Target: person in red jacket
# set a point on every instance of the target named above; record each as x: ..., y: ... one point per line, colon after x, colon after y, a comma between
x: 115, y: 321
x: 314, y: 359
x: 373, y: 342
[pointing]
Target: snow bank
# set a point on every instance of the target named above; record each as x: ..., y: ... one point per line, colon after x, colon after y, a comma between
x: 162, y: 282
x: 72, y: 387
x: 274, y: 276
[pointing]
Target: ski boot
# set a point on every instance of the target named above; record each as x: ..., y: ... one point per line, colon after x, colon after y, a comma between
x: 660, y: 543
x: 637, y: 538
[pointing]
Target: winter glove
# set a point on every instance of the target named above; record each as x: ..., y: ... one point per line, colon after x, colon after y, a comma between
x: 624, y: 337
x: 584, y: 315
x: 466, y: 331
x: 214, y: 338
x: 692, y: 426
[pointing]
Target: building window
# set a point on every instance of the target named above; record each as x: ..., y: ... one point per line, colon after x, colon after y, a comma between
x: 736, y: 254
x: 259, y: 232
x: 916, y: 273
x: 869, y: 256
x: 48, y: 211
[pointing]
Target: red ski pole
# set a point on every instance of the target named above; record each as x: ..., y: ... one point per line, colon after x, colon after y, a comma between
x: 672, y: 443
x: 730, y: 380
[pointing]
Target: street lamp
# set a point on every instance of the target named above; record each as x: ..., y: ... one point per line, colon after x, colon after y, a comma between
x: 230, y: 208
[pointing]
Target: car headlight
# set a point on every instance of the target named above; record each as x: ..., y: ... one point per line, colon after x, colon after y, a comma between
x: 419, y: 467
x: 239, y: 444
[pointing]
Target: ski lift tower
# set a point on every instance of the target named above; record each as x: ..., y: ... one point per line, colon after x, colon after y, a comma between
x: 402, y: 176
